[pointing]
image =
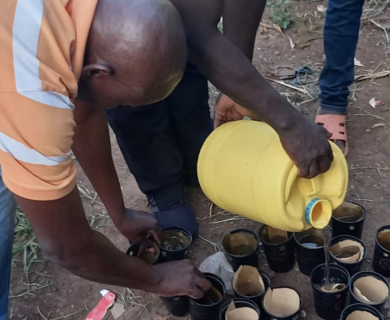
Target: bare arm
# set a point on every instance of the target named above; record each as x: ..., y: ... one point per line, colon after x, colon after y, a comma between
x: 92, y: 148
x: 233, y: 74
x: 66, y: 239
x: 241, y: 20
x: 93, y: 151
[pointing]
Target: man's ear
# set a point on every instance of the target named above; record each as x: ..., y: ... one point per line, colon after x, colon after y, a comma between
x: 96, y: 70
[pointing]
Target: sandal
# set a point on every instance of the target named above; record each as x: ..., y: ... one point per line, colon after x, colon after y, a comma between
x: 335, y: 124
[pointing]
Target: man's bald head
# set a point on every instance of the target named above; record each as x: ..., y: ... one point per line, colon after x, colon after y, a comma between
x: 136, y: 53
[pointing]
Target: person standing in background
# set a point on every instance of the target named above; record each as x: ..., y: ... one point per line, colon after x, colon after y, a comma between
x: 341, y: 35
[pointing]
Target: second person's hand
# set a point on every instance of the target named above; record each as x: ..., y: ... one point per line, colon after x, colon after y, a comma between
x: 139, y: 227
x: 181, y: 278
x: 227, y: 110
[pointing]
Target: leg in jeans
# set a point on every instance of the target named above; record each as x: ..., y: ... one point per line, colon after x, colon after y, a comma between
x: 7, y: 226
x: 147, y: 142
x: 341, y: 34
x: 160, y: 144
x: 190, y: 118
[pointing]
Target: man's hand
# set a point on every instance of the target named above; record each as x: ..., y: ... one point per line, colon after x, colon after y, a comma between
x: 138, y: 227
x: 227, y: 110
x: 181, y: 278
x: 307, y: 145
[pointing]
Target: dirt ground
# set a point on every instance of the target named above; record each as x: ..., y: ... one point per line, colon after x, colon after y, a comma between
x: 67, y: 296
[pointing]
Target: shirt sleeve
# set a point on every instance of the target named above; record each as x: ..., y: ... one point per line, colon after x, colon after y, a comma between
x: 35, y: 144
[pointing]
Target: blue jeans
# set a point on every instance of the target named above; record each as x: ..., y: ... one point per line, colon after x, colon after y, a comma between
x: 7, y: 226
x: 341, y: 35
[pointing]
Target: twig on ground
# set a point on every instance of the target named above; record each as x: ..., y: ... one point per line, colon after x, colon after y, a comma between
x: 228, y: 220
x: 128, y: 298
x: 86, y: 193
x: 217, y: 246
x: 58, y: 318
x: 356, y: 168
x: 306, y: 101
x: 366, y: 113
x: 383, y: 28
x: 223, y: 213
x: 30, y: 292
x: 286, y: 85
x: 365, y: 200
x: 372, y: 76
x: 211, y: 209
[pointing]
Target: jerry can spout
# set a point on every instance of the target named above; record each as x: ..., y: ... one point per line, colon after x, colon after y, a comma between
x: 318, y: 213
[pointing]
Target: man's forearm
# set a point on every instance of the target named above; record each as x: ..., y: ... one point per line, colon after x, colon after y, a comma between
x: 92, y: 149
x: 228, y: 69
x: 241, y: 20
x: 66, y: 238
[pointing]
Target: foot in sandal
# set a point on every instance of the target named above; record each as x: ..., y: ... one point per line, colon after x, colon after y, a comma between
x: 335, y: 123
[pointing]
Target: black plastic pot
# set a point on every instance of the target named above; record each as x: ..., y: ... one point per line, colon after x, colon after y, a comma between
x: 360, y: 307
x: 329, y: 305
x: 207, y: 307
x: 354, y: 267
x: 241, y: 248
x: 381, y: 261
x: 310, y: 250
x: 177, y: 306
x: 179, y: 250
x: 280, y: 256
x: 354, y: 299
x: 267, y: 315
x: 256, y: 299
x: 239, y: 303
x: 348, y: 219
x: 149, y: 258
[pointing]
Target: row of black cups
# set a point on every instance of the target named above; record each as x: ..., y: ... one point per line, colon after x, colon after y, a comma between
x: 254, y: 298
x: 346, y: 248
x: 368, y: 291
x: 241, y: 249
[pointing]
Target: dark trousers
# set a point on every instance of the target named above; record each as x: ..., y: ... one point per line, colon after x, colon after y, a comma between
x: 341, y: 34
x: 161, y: 142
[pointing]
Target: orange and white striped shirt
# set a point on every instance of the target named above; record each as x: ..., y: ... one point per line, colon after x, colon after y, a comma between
x: 41, y: 58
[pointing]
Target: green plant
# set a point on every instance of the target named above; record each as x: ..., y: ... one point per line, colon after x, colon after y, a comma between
x: 281, y: 13
x: 25, y: 242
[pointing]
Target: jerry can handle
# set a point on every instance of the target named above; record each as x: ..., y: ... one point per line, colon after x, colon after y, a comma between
x: 315, y: 183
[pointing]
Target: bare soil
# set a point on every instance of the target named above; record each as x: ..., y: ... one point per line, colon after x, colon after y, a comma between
x: 369, y: 182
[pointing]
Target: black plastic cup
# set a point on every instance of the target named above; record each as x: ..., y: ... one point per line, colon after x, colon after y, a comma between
x: 381, y: 261
x: 147, y: 257
x: 255, y: 298
x: 354, y: 299
x: 280, y: 254
x: 360, y: 307
x: 267, y: 315
x: 208, y: 307
x: 177, y: 306
x: 179, y: 249
x: 329, y: 305
x: 310, y: 250
x: 239, y: 303
x: 241, y: 248
x: 353, y: 267
x: 348, y: 219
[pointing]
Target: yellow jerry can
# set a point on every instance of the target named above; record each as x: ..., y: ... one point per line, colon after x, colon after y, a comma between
x: 244, y: 169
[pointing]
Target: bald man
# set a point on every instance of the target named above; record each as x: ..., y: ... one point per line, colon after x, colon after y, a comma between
x: 106, y: 52
x: 161, y: 142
